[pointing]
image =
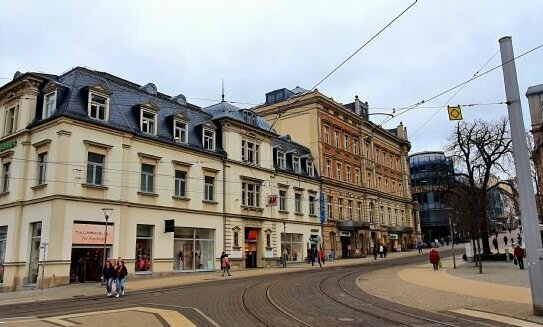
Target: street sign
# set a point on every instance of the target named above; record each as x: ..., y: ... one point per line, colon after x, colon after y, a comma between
x: 272, y: 200
x: 455, y: 113
x: 323, y: 208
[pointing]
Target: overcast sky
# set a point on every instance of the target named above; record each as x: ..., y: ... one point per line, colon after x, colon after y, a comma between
x: 259, y: 46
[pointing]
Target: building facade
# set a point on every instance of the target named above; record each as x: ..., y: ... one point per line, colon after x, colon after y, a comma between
x: 363, y: 167
x: 432, y: 174
x: 535, y: 102
x: 180, y: 184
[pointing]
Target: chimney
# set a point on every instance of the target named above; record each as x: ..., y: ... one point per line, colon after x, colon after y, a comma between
x: 401, y: 131
x: 356, y: 105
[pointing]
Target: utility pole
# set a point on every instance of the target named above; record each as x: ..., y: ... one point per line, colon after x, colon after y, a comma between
x: 452, y: 240
x: 530, y: 222
x: 44, y: 247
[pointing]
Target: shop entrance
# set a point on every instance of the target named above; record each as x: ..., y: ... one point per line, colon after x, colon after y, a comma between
x: 86, y: 264
x: 251, y: 247
x: 345, y: 244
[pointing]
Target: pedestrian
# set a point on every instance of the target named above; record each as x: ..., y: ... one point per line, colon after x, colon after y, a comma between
x: 385, y: 250
x: 225, y: 264
x: 434, y: 258
x: 285, y: 257
x: 322, y: 255
x: 319, y: 257
x: 519, y: 256
x: 121, y: 273
x: 108, y: 276
x: 312, y: 256
x: 419, y: 246
x: 505, y: 239
x: 223, y: 254
x: 375, y: 251
x: 349, y: 250
x: 519, y: 239
x: 495, y: 243
x: 381, y: 250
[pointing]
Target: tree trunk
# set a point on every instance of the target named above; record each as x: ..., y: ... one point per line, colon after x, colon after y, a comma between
x: 475, y: 251
x: 483, y: 233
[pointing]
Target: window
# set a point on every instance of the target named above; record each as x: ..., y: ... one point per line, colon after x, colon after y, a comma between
x: 336, y: 138
x: 382, y: 214
x: 347, y: 142
x: 350, y: 209
x: 144, y: 247
x: 402, y: 219
x: 359, y: 210
x: 293, y: 243
x: 148, y: 122
x: 42, y: 168
x: 327, y: 135
x: 339, y: 171
x: 3, y: 240
x: 236, y: 239
x: 147, y: 178
x: 396, y: 216
x: 348, y: 173
x: 356, y: 146
x: 372, y: 213
x: 180, y: 131
x: 296, y: 164
x: 386, y: 184
x: 249, y: 117
x: 250, y: 152
x: 340, y: 208
x: 95, y: 167
x: 250, y: 194
x: 209, y: 139
x: 283, y: 200
x: 389, y: 221
x: 97, y: 106
x: 377, y: 155
x: 193, y: 248
x: 393, y: 187
x: 10, y: 121
x: 49, y: 105
x: 35, y: 242
x: 367, y: 146
x: 5, y: 177
x: 268, y: 241
x: 298, y: 203
x: 329, y: 167
x: 180, y: 183
x: 330, y: 206
x: 281, y: 160
x: 311, y: 205
x: 209, y: 188
x: 369, y: 180
x: 379, y: 187
x: 357, y: 176
x: 309, y: 168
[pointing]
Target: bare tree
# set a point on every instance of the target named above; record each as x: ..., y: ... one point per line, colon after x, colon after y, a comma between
x: 480, y: 150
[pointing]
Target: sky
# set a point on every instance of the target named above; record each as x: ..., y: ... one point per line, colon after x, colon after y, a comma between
x: 260, y: 46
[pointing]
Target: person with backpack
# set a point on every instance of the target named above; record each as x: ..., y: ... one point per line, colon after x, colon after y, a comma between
x: 225, y: 264
x: 121, y: 273
x: 108, y: 276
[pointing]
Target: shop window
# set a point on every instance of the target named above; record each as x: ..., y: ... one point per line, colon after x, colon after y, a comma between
x: 33, y: 262
x: 311, y: 205
x: 209, y: 188
x: 283, y: 200
x: 5, y: 176
x: 298, y: 203
x: 293, y: 244
x: 180, y: 183
x: 95, y: 168
x: 3, y: 241
x: 193, y: 249
x: 42, y: 168
x: 147, y: 178
x: 144, y: 247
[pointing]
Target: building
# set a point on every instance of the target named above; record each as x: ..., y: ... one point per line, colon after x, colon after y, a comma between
x: 95, y: 166
x: 535, y: 102
x: 364, y: 170
x: 432, y: 174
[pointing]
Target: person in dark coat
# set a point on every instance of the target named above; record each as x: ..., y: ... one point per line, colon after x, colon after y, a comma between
x: 109, y: 275
x: 121, y: 277
x: 519, y: 255
x: 434, y: 258
x: 385, y: 250
x: 495, y: 243
x: 505, y: 239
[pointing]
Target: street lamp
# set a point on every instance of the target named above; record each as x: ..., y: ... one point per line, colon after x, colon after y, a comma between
x: 284, y: 244
x: 107, y: 213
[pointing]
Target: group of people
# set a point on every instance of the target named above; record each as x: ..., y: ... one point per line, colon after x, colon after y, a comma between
x: 114, y: 276
x: 316, y: 255
x: 380, y: 250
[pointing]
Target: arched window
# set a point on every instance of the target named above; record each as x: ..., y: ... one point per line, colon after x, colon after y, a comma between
x: 372, y: 212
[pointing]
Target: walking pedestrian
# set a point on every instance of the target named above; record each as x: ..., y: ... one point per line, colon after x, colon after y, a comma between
x: 434, y: 258
x: 381, y: 250
x: 385, y: 250
x: 375, y: 252
x: 495, y: 243
x: 319, y: 257
x: 312, y: 256
x: 419, y: 246
x: 505, y: 239
x: 225, y: 264
x: 108, y: 276
x: 121, y: 273
x: 285, y: 257
x: 519, y: 256
x: 322, y: 255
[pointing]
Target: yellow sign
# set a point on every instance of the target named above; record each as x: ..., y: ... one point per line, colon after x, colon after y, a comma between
x: 455, y: 113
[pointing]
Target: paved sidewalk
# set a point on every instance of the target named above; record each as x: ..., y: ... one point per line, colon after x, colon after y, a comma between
x: 148, y: 282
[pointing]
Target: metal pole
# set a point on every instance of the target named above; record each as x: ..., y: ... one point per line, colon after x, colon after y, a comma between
x: 534, y: 250
x: 452, y: 240
x: 44, y: 247
x: 105, y: 243
x: 284, y: 244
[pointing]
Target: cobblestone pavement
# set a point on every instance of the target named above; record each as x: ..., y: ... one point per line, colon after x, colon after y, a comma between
x: 386, y: 284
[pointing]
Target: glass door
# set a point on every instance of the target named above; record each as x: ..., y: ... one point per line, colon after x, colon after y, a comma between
x: 33, y: 265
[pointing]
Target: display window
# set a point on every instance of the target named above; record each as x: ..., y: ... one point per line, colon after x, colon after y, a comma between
x: 3, y: 240
x: 193, y: 249
x: 294, y: 246
x: 144, y: 248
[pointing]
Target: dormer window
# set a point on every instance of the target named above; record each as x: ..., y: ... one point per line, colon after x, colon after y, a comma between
x: 49, y: 104
x: 296, y: 164
x: 209, y: 139
x: 249, y: 117
x: 148, y: 122
x: 281, y: 160
x: 180, y: 131
x: 309, y: 168
x: 98, y: 106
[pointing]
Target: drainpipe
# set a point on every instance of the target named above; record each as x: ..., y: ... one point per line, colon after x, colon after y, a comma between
x: 224, y: 204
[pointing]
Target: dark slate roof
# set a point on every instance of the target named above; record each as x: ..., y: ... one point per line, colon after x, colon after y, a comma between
x: 228, y: 110
x: 299, y: 90
x: 535, y: 89
x: 123, y: 103
x: 290, y: 147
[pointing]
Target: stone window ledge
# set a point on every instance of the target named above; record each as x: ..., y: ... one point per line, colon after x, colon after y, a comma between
x: 95, y: 186
x: 151, y: 194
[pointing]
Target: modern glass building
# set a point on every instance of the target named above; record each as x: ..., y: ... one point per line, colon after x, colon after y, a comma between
x: 431, y: 174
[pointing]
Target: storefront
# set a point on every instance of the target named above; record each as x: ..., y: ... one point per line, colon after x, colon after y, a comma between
x: 251, y: 247
x: 193, y: 249
x: 3, y: 240
x: 293, y: 243
x: 88, y: 250
x: 345, y: 243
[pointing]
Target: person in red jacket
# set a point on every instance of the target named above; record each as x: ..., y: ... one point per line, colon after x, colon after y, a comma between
x: 434, y: 258
x: 519, y: 255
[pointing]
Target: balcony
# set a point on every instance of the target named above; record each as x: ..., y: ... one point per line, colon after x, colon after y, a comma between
x: 400, y: 229
x: 352, y: 224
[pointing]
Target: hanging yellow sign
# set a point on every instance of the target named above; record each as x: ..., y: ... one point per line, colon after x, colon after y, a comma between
x: 455, y: 113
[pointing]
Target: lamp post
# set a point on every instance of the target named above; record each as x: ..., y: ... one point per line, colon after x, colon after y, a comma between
x: 284, y: 244
x: 43, y: 246
x: 107, y: 213
x: 452, y: 240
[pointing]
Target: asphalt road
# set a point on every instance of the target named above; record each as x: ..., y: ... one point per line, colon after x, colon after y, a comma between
x: 320, y: 297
